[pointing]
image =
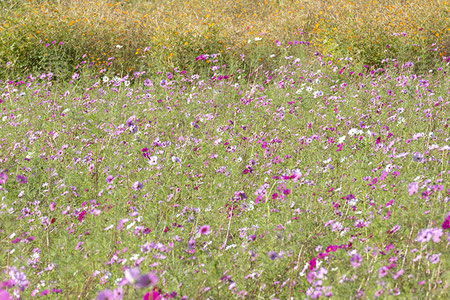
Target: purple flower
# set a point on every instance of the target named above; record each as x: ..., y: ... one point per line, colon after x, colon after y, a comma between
x: 272, y: 255
x: 434, y: 258
x: 147, y: 280
x: 18, y: 278
x: 21, y: 179
x: 130, y: 120
x: 3, y: 176
x: 356, y: 260
x: 137, y: 185
x: 105, y: 295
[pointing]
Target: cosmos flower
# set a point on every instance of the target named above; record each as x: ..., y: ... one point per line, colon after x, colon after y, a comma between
x: 356, y: 260
x: 272, y: 255
x: 4, y: 295
x: 176, y: 159
x: 204, y: 230
x: 153, y: 160
x: 425, y: 235
x: 383, y: 271
x: 446, y: 224
x: 413, y: 188
x: 3, y: 177
x: 109, y: 179
x: 137, y: 185
x: 434, y: 258
x: 21, y: 179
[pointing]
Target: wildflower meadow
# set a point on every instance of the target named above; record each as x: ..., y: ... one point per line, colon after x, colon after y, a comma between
x: 224, y: 149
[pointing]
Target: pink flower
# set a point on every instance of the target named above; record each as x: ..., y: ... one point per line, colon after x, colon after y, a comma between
x: 413, y: 188
x: 204, y: 230
x: 4, y: 295
x: 383, y: 271
x: 398, y: 274
x: 356, y: 260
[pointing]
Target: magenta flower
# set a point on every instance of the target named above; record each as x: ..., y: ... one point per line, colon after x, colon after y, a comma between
x: 153, y: 295
x: 204, y: 230
x: 312, y: 263
x: 446, y: 224
x: 21, y: 179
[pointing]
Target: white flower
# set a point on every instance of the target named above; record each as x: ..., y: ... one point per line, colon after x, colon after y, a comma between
x: 353, y: 202
x: 176, y: 159
x: 127, y: 83
x: 153, y: 160
x: 119, y: 46
x: 327, y: 160
x: 258, y: 38
x: 354, y: 131
x: 434, y: 146
x: 105, y: 78
x: 341, y: 139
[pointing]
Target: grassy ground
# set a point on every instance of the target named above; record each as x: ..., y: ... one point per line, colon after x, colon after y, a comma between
x: 260, y: 172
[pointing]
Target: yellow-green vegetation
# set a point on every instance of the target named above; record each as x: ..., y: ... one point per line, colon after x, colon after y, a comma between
x: 139, y: 35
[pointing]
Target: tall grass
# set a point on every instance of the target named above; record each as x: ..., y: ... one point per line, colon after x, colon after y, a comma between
x: 142, y: 35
